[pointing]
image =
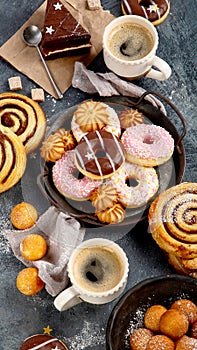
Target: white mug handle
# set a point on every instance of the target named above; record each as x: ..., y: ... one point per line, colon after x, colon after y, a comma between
x: 164, y: 69
x: 67, y: 299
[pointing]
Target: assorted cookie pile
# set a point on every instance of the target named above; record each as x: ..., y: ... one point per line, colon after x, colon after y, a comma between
x: 174, y: 328
x: 22, y: 127
x: 107, y: 158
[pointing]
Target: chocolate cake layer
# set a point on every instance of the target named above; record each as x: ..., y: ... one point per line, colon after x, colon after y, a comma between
x: 62, y: 33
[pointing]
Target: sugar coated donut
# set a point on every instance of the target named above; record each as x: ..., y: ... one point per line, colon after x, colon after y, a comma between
x: 152, y: 317
x: 143, y: 184
x: 91, y: 116
x: 64, y: 173
x: 28, y: 282
x: 187, y: 307
x: 160, y: 342
x: 139, y: 338
x: 23, y: 215
x: 33, y: 247
x: 147, y: 144
x: 186, y: 343
x: 174, y: 323
x: 99, y: 154
x: 155, y: 11
x: 42, y: 341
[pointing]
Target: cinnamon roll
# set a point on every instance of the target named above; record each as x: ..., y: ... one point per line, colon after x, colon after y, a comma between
x: 173, y: 224
x: 24, y: 117
x: 173, y: 220
x: 12, y: 159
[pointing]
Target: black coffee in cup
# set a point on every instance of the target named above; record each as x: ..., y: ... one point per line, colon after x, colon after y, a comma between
x: 130, y: 41
x: 97, y: 269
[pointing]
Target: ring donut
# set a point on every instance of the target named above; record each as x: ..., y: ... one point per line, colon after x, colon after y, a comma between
x: 143, y: 184
x: 155, y: 11
x: 99, y: 154
x: 65, y: 179
x: 147, y: 144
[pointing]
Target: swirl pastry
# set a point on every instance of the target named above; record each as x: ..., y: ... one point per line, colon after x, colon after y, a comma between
x: 12, y: 159
x: 24, y: 117
x: 173, y: 225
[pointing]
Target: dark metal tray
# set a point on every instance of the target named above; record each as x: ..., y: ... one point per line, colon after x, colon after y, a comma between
x: 169, y: 174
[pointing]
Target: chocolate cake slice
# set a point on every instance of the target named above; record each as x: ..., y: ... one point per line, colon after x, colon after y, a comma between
x: 62, y: 33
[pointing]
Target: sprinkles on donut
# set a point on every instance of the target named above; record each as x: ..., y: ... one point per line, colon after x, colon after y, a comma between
x: 154, y: 11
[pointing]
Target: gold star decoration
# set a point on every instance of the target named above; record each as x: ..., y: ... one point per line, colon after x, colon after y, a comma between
x: 47, y: 330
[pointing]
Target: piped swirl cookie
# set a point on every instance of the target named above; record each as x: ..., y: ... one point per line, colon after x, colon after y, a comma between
x: 92, y: 115
x: 12, y: 159
x: 56, y: 144
x: 24, y: 117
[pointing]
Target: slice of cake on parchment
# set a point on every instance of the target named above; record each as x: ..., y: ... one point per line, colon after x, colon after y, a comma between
x: 62, y: 33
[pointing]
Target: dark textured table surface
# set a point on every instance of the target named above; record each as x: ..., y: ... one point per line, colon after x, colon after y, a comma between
x: 84, y: 326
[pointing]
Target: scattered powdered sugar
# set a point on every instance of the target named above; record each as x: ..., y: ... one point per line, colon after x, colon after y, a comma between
x: 90, y: 335
x: 135, y: 323
x: 4, y: 244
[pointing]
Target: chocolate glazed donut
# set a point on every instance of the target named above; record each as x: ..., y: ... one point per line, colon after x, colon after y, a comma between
x: 42, y: 341
x: 99, y: 154
x: 155, y: 11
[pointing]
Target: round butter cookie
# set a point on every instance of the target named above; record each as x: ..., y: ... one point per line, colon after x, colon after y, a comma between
x: 24, y: 117
x: 12, y: 159
x: 92, y: 115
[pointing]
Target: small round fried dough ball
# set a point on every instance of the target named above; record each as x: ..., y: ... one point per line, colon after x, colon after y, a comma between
x: 140, y: 338
x: 186, y: 343
x: 194, y: 330
x: 28, y: 282
x: 23, y: 215
x: 152, y: 317
x: 33, y: 247
x: 174, y: 323
x: 160, y: 342
x: 187, y: 307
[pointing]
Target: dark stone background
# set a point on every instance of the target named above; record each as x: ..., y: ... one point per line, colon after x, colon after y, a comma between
x: 84, y: 326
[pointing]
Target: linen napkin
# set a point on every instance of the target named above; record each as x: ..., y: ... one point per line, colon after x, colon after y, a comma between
x: 62, y: 234
x: 27, y: 61
x: 108, y: 84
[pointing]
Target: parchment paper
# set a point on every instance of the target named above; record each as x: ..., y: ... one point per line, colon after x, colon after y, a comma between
x: 26, y: 59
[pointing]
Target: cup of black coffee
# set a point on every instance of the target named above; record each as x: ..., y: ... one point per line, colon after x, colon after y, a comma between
x: 98, y: 270
x: 129, y: 48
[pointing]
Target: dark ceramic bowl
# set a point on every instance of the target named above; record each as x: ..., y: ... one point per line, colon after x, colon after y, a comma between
x: 128, y: 313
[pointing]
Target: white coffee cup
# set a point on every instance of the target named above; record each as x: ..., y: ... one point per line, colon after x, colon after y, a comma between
x: 98, y: 271
x: 125, y: 66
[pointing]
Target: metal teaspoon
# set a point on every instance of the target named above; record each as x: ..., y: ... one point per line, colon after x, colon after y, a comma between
x: 32, y: 36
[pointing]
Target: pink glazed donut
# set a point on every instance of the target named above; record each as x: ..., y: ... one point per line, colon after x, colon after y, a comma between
x: 147, y: 145
x: 144, y: 184
x: 67, y: 183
